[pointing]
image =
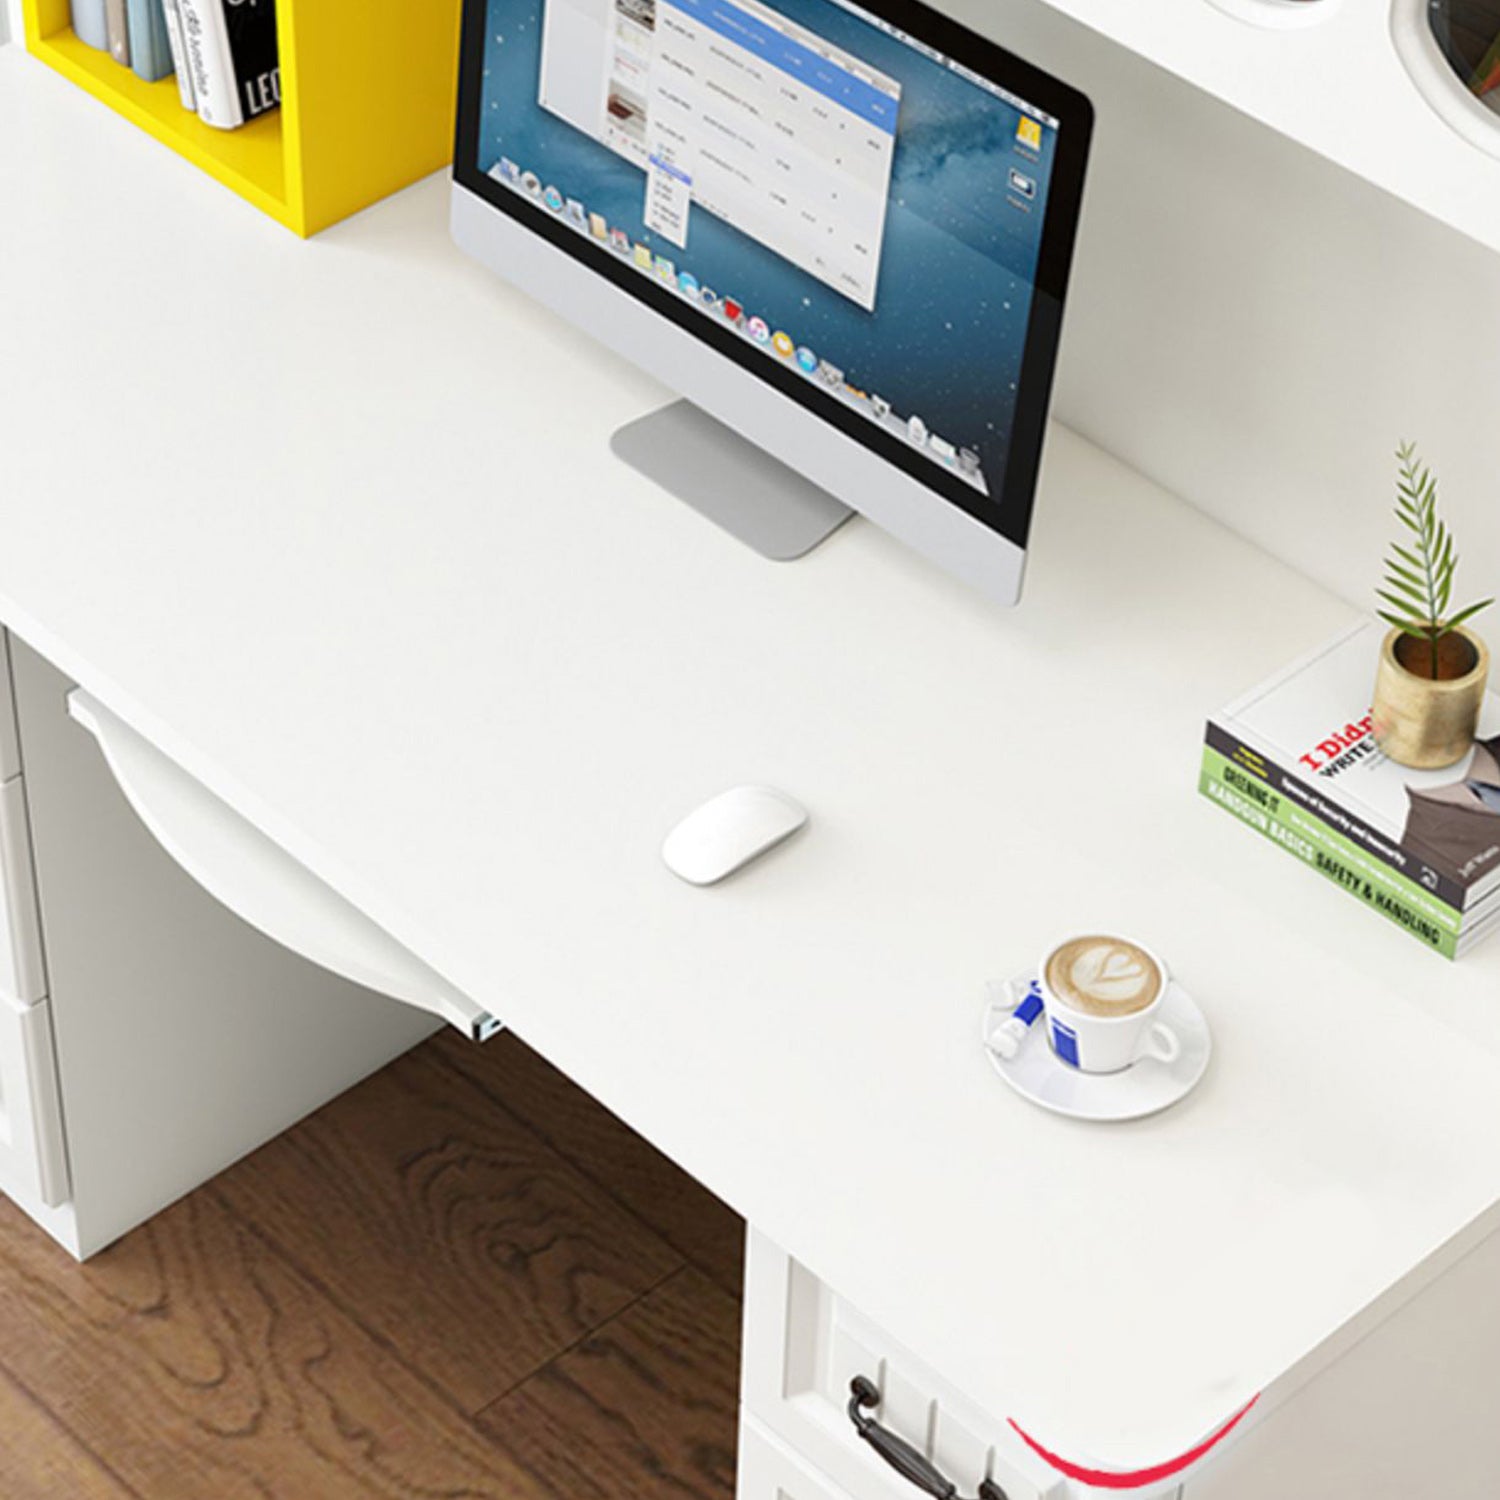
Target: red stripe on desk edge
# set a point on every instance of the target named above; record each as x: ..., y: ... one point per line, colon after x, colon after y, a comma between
x: 1106, y: 1479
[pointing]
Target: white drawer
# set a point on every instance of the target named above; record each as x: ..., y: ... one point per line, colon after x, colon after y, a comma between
x: 22, y: 976
x: 769, y: 1470
x: 32, y: 1157
x: 10, y: 743
x: 803, y: 1348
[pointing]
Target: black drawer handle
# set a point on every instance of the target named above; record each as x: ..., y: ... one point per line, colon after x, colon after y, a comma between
x: 899, y: 1454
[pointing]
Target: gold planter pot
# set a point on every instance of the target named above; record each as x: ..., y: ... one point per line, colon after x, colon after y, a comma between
x: 1423, y: 723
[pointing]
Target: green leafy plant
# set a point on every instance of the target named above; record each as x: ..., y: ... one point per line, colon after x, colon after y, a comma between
x: 1419, y: 578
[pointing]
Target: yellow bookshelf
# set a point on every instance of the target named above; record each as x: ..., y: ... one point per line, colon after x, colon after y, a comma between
x: 368, y: 100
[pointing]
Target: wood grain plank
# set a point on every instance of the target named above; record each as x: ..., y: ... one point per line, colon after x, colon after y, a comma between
x: 39, y: 1458
x: 202, y: 1366
x: 677, y: 1206
x: 644, y: 1409
x: 447, y: 1227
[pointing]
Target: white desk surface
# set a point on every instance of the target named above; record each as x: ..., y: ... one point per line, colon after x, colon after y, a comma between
x: 336, y: 524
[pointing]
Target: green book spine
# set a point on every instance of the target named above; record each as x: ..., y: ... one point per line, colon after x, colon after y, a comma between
x: 1399, y: 900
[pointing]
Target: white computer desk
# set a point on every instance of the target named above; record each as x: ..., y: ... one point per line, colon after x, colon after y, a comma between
x: 336, y: 526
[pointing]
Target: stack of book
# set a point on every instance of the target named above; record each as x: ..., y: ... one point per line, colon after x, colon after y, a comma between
x: 223, y: 52
x: 1296, y: 760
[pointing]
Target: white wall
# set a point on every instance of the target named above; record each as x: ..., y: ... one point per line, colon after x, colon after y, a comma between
x: 1256, y: 328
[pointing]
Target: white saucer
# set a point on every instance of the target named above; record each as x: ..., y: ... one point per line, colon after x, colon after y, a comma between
x: 1144, y: 1089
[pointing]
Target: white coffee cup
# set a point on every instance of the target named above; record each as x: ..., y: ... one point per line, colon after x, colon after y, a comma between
x: 1096, y: 1042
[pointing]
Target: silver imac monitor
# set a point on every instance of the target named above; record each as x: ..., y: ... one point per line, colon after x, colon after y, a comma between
x: 841, y: 229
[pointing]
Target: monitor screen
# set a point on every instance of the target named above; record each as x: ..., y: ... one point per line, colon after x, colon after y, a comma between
x: 864, y: 204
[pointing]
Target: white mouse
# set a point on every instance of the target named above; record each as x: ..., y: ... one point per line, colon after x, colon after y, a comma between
x: 730, y: 830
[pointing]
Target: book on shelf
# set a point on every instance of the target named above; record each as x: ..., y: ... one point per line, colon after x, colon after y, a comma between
x: 89, y: 23
x: 117, y: 25
x: 1296, y: 759
x: 180, y: 67
x: 230, y: 51
x: 150, y: 49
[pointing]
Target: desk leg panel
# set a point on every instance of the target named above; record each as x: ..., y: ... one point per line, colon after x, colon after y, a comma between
x: 184, y: 1038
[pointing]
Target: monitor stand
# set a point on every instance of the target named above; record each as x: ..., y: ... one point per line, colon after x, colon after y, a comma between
x: 725, y: 477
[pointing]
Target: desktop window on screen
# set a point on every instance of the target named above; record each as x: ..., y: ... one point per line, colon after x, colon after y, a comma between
x: 856, y: 206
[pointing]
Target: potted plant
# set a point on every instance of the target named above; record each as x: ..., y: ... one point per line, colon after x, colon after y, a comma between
x: 1430, y: 684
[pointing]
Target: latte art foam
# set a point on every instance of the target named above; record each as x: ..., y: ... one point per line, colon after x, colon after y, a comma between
x: 1104, y: 976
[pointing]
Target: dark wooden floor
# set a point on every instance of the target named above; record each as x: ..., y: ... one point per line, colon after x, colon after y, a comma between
x: 463, y: 1280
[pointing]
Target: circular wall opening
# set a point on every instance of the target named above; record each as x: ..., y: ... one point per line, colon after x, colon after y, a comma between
x: 1451, y: 48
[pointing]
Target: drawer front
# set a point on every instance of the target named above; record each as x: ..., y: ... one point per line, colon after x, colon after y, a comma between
x: 804, y: 1346
x: 32, y: 1156
x: 22, y: 977
x: 768, y: 1470
x: 10, y: 742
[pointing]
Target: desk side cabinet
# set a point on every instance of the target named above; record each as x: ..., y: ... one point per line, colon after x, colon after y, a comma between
x: 148, y: 1036
x: 32, y: 1155
x: 1404, y: 1413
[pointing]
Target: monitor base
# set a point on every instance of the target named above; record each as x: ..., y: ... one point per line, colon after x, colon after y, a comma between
x: 725, y: 477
